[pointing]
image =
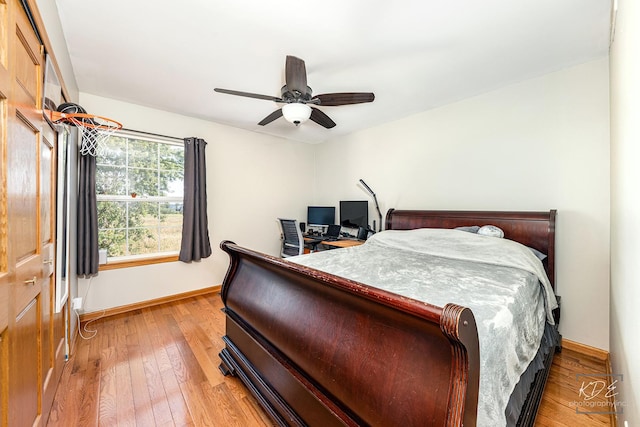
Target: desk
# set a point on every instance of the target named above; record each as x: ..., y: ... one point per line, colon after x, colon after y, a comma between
x: 340, y: 243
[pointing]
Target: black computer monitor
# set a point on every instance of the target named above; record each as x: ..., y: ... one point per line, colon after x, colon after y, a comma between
x: 354, y: 213
x: 321, y: 215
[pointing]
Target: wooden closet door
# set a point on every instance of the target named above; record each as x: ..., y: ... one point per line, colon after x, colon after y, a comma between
x: 4, y: 269
x: 24, y: 231
x: 47, y: 295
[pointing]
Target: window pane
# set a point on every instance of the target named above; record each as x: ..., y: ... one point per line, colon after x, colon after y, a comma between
x: 172, y: 183
x: 171, y: 157
x: 143, y: 182
x: 143, y: 240
x: 111, y: 180
x: 114, y: 152
x: 170, y: 238
x: 114, y: 241
x: 112, y: 215
x: 171, y: 214
x: 143, y: 214
x: 143, y: 154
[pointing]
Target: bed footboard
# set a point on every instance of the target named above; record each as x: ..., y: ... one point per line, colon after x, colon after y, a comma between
x: 317, y: 349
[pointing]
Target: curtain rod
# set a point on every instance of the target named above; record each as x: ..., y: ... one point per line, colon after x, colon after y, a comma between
x: 153, y: 134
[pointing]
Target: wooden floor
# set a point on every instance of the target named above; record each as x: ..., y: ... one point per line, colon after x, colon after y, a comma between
x: 159, y: 367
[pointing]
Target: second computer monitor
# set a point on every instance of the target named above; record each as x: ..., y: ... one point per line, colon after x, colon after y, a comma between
x: 354, y: 214
x: 321, y: 215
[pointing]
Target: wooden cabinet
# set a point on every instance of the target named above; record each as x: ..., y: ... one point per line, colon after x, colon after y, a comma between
x: 32, y: 334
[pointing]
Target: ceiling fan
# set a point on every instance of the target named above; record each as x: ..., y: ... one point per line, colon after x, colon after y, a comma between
x: 297, y: 96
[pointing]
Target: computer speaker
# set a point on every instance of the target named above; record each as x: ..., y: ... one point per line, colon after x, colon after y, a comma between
x: 303, y: 227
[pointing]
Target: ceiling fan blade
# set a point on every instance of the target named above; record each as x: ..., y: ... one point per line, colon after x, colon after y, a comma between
x: 271, y: 117
x: 248, y: 95
x: 296, y: 75
x: 321, y: 118
x: 346, y: 98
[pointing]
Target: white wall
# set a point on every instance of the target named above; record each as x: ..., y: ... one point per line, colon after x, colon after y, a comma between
x: 251, y: 180
x: 537, y: 145
x: 49, y: 12
x: 625, y: 209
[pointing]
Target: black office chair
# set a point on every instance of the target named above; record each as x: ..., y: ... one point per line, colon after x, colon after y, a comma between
x: 292, y: 240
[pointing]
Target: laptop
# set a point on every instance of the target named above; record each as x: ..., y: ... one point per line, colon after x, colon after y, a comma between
x: 333, y: 232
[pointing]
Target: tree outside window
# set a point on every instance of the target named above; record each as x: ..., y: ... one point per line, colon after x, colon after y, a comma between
x: 139, y: 186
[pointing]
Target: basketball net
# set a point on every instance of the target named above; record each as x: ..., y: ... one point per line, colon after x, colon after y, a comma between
x: 95, y: 130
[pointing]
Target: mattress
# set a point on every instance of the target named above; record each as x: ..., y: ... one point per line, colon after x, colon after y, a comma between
x: 501, y: 281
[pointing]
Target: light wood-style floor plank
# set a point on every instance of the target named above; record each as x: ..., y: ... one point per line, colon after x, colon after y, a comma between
x: 124, y: 398
x: 158, y: 366
x: 108, y: 388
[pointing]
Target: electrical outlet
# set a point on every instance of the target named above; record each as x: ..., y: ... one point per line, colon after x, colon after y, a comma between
x: 76, y: 303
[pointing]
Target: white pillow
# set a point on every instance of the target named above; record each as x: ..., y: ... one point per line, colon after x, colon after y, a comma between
x: 491, y: 230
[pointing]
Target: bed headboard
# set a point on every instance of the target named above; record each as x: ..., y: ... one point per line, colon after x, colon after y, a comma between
x: 534, y: 229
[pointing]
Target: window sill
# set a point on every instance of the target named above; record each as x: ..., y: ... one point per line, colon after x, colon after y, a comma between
x: 137, y: 262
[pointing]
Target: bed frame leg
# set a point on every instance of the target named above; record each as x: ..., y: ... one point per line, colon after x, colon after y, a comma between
x: 226, y: 367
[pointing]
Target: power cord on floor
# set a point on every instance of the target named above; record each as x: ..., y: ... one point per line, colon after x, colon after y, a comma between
x: 93, y: 332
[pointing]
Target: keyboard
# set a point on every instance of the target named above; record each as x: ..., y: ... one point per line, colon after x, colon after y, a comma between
x: 325, y: 238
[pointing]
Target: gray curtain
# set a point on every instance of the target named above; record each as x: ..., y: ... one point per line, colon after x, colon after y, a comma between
x: 195, y: 232
x: 87, y: 218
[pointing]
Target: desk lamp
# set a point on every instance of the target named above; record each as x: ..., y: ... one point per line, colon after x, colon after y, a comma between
x: 377, y: 207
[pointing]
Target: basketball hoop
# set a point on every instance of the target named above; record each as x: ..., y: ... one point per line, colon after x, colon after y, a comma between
x: 95, y: 129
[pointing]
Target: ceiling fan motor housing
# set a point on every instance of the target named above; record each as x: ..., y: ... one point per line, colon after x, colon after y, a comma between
x: 295, y: 96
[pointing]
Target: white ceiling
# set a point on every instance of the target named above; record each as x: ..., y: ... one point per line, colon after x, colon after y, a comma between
x: 414, y: 55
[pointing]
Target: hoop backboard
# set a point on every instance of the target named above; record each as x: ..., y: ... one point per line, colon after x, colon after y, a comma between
x: 52, y: 93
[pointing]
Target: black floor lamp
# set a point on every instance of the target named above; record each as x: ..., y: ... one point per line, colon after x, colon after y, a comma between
x: 377, y: 207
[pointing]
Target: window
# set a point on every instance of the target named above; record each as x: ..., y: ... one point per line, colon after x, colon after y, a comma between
x: 139, y: 186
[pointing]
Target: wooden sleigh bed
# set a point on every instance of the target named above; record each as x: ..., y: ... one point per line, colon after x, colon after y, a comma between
x: 291, y: 332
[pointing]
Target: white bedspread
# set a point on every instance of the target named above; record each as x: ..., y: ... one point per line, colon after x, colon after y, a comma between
x: 501, y: 281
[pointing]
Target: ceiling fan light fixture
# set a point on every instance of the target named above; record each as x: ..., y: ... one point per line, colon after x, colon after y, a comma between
x: 296, y: 112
